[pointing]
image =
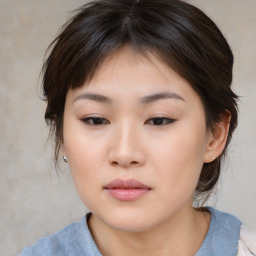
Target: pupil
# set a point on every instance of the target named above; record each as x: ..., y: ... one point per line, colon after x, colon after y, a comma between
x: 158, y: 121
x: 97, y: 121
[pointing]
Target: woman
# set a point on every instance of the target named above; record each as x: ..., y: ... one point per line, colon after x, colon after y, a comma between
x: 139, y: 101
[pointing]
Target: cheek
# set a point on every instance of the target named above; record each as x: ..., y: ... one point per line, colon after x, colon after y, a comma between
x: 83, y: 147
x: 84, y: 162
x: 86, y: 155
x: 179, y: 160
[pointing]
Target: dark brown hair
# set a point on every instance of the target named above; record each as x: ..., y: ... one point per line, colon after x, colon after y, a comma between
x: 179, y: 33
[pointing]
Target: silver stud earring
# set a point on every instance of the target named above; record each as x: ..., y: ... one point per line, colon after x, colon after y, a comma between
x: 65, y: 159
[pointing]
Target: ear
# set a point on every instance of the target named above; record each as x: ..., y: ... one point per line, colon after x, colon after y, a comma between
x: 217, y: 139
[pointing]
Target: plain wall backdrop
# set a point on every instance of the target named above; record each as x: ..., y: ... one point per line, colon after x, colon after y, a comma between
x: 34, y: 201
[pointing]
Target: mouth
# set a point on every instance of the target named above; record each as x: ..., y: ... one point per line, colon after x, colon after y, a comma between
x: 126, y: 190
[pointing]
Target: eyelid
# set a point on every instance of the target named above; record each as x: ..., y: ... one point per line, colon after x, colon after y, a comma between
x: 86, y: 120
x: 169, y: 120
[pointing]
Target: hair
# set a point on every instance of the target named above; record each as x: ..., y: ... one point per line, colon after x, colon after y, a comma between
x: 179, y: 33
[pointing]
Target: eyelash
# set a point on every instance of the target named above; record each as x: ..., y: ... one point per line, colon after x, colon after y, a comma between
x: 102, y: 121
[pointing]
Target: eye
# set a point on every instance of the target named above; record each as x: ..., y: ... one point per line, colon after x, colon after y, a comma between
x: 95, y: 121
x: 159, y: 121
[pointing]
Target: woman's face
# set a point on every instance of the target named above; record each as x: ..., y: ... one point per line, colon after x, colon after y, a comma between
x: 136, y: 140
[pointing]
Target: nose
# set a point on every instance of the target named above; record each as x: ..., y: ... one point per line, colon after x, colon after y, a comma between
x: 126, y: 148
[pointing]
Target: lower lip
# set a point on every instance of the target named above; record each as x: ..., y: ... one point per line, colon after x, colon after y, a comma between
x: 127, y: 195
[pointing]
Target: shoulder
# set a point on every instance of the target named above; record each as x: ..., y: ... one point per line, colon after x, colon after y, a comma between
x: 226, y: 227
x: 223, y: 235
x: 230, y: 236
x: 56, y: 244
x: 223, y: 219
x: 247, y: 242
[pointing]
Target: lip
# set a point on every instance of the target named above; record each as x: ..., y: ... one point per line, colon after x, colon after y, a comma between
x: 126, y: 190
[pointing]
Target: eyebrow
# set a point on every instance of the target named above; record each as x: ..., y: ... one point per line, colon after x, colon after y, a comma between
x: 144, y: 100
x: 94, y: 97
x: 159, y: 96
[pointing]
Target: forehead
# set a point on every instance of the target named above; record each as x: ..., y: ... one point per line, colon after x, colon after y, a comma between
x: 129, y: 66
x: 128, y: 59
x: 130, y: 76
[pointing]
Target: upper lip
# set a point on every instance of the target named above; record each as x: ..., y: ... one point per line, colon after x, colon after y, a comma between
x: 126, y: 184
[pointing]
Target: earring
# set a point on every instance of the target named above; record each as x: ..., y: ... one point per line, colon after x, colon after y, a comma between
x: 65, y: 159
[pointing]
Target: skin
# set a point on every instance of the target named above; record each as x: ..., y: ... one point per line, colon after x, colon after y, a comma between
x: 127, y: 143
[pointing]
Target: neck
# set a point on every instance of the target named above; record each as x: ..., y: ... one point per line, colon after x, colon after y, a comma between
x: 183, y: 234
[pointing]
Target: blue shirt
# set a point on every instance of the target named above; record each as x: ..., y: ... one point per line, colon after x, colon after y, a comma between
x: 76, y: 240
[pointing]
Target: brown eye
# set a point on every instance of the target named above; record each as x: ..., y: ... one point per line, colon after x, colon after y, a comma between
x: 95, y: 121
x: 159, y: 121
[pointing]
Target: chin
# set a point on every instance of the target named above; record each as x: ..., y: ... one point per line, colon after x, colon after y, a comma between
x: 129, y: 221
x: 129, y: 226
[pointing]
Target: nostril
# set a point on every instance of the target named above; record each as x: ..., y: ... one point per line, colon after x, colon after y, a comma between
x: 114, y: 163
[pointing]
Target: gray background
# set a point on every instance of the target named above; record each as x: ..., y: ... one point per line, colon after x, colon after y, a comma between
x: 34, y: 201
